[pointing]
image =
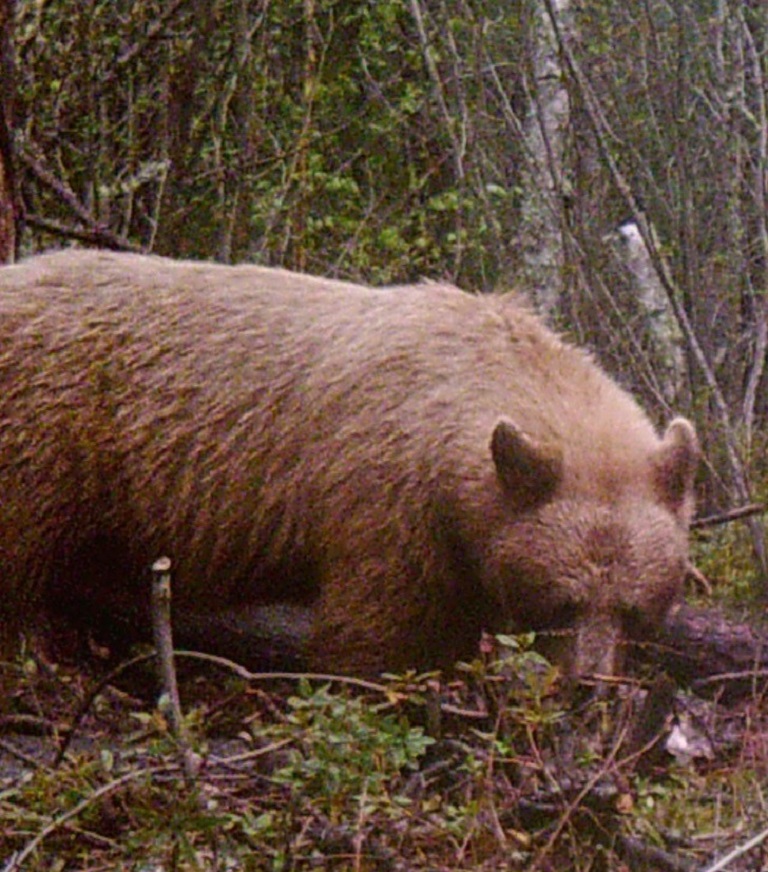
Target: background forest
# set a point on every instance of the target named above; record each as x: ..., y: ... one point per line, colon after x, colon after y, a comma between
x: 610, y: 159
x: 494, y: 144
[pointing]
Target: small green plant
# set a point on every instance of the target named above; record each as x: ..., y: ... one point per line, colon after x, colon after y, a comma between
x: 519, y: 684
x: 346, y: 754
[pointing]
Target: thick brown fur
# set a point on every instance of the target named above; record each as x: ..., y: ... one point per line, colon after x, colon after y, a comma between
x: 415, y: 464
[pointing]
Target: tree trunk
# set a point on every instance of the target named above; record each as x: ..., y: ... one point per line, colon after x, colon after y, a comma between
x: 545, y: 130
x: 664, y: 331
x: 7, y: 185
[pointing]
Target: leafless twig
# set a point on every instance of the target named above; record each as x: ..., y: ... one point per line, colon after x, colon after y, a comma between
x: 726, y: 517
x: 163, y: 635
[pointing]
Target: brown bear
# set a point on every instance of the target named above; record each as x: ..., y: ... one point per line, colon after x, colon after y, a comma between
x: 410, y: 465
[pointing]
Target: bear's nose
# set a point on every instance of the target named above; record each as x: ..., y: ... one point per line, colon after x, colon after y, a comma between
x: 596, y: 648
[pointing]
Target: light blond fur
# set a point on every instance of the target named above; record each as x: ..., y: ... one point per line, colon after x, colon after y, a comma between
x: 287, y: 438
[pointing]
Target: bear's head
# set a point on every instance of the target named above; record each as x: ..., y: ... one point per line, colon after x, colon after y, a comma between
x: 587, y: 569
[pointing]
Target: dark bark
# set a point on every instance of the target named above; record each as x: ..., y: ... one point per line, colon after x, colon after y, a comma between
x: 269, y: 637
x: 8, y: 199
x: 710, y: 652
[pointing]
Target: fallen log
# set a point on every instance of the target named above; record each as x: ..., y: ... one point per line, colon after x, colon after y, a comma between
x: 706, y: 650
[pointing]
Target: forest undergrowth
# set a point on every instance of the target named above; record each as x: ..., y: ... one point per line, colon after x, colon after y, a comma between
x: 489, y: 770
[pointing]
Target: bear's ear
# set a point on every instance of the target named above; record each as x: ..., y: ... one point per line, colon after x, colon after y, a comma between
x: 675, y: 467
x: 527, y: 470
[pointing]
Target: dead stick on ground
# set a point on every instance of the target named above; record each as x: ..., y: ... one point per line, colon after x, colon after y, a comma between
x: 724, y: 862
x: 163, y: 634
x: 726, y: 517
x: 16, y: 861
